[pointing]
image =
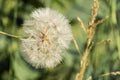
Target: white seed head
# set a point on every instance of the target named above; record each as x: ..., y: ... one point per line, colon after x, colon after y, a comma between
x: 45, y: 36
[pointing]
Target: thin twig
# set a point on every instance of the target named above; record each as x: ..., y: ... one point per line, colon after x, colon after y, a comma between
x: 76, y: 45
x: 101, y: 21
x: 104, y: 41
x: 4, y: 33
x: 112, y: 73
x: 82, y: 25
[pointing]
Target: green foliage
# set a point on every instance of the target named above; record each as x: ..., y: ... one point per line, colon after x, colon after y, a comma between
x: 102, y: 59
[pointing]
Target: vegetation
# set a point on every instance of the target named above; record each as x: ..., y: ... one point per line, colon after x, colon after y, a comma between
x: 103, y: 60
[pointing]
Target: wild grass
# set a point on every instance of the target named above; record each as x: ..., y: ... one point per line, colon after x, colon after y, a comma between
x: 98, y: 56
x: 90, y: 31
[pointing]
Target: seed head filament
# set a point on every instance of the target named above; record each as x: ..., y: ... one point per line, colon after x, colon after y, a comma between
x: 44, y: 41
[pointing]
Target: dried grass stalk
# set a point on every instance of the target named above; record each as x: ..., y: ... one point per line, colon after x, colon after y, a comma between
x: 90, y: 34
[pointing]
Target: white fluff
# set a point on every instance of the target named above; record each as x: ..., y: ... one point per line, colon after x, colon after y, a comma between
x: 45, y: 36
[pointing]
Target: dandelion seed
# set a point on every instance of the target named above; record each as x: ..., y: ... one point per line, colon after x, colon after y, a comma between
x: 45, y: 37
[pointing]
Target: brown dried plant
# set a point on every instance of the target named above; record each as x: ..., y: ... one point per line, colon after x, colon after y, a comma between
x: 111, y: 73
x: 90, y: 35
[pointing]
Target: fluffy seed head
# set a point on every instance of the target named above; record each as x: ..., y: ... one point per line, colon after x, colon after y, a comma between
x: 45, y: 36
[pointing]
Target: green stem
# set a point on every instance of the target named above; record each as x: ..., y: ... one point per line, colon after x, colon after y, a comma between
x: 113, y: 13
x: 4, y: 33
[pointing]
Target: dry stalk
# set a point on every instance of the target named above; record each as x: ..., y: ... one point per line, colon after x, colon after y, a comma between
x: 82, y: 25
x: 76, y: 45
x: 112, y: 73
x: 104, y: 41
x: 90, y: 34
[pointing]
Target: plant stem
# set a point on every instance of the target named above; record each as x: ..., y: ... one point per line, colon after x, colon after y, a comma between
x: 90, y: 35
x: 4, y: 33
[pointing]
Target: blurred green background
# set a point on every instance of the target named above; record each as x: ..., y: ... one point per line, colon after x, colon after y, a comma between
x: 102, y: 59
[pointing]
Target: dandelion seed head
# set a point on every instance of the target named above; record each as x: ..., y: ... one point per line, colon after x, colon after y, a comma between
x: 45, y: 37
